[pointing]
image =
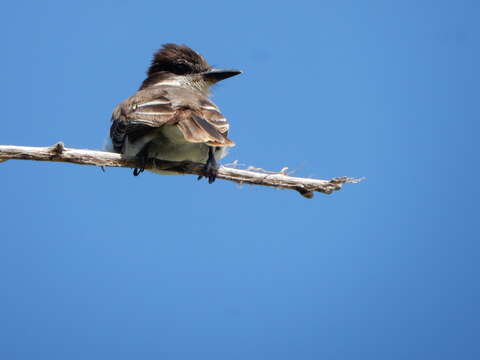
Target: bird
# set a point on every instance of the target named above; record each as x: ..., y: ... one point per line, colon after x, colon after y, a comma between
x: 171, y: 117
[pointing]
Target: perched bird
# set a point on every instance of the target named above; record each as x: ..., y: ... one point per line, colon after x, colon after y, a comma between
x: 171, y: 117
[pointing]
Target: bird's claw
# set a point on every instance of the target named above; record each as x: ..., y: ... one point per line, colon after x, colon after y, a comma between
x: 138, y: 171
x: 210, y: 172
x: 143, y: 161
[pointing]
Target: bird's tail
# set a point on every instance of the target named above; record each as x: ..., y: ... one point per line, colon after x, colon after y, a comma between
x: 198, y: 130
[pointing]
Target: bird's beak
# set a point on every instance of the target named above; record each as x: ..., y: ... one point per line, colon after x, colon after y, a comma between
x: 216, y: 75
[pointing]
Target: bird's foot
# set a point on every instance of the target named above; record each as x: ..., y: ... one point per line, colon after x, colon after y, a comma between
x: 210, y: 172
x: 138, y: 171
x: 143, y: 162
x: 211, y: 168
x: 142, y: 158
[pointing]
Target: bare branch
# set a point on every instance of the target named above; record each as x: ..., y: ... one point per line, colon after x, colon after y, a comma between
x: 59, y: 153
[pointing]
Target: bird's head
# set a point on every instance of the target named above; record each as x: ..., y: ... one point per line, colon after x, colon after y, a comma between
x: 182, y: 66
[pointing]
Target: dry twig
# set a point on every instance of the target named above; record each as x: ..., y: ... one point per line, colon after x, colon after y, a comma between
x: 59, y: 153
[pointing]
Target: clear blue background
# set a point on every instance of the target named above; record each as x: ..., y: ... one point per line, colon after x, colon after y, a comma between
x: 108, y: 266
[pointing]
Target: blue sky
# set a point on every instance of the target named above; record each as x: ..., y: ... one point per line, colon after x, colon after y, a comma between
x: 105, y: 265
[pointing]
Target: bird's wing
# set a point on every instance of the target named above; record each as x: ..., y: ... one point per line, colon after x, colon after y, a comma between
x: 197, y: 118
x: 138, y: 115
x: 205, y: 124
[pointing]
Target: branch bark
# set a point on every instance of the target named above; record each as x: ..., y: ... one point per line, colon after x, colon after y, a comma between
x: 59, y: 153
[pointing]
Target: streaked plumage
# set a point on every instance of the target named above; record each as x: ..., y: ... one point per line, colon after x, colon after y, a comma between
x: 171, y: 117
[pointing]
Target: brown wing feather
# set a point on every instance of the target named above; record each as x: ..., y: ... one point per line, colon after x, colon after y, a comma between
x: 117, y: 134
x: 137, y: 115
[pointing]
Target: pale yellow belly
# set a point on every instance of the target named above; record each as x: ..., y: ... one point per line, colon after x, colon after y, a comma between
x: 168, y: 143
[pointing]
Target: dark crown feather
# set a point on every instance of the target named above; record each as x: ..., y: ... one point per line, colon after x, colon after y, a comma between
x: 177, y: 59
